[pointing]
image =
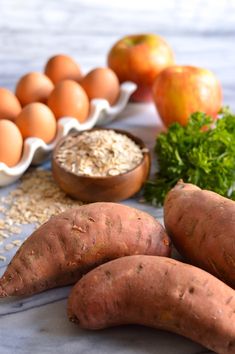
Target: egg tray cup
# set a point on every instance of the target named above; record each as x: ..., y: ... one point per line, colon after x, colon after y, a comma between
x: 36, y: 151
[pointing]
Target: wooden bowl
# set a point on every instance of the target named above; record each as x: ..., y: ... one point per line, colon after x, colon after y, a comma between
x: 106, y: 189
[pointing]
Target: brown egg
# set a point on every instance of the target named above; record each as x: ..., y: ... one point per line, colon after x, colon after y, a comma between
x: 101, y: 83
x: 11, y: 143
x: 62, y: 67
x: 69, y: 99
x: 33, y: 87
x: 9, y: 105
x: 37, y: 120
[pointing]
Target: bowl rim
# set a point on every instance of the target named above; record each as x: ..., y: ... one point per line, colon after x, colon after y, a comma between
x: 136, y: 139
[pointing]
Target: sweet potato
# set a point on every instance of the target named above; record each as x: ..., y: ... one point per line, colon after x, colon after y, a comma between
x: 201, y: 225
x: 70, y: 244
x: 158, y: 292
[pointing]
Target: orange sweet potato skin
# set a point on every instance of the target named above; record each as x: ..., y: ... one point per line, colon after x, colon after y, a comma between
x: 70, y: 244
x: 201, y: 225
x: 158, y: 292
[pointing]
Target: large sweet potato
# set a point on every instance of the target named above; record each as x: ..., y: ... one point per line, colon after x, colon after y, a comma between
x: 158, y: 292
x: 201, y: 225
x: 70, y: 244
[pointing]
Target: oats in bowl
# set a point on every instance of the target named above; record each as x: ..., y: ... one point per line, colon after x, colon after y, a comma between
x: 99, y: 153
x: 101, y: 165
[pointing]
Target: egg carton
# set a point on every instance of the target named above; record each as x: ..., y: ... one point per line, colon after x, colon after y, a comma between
x: 36, y: 151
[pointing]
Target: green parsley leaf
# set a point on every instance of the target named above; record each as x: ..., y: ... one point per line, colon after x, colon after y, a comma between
x: 202, y: 153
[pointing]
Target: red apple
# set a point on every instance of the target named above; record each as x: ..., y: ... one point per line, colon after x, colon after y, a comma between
x: 181, y: 90
x: 140, y: 58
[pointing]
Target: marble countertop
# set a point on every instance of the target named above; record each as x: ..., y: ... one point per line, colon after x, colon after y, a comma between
x: 40, y: 321
x: 201, y: 33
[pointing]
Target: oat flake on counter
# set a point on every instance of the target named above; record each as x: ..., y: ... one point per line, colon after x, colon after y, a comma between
x: 34, y: 200
x: 99, y: 153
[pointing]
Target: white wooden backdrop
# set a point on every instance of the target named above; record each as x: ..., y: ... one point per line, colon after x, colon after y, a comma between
x: 201, y: 32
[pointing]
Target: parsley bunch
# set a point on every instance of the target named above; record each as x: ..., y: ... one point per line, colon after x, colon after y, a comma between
x: 202, y: 153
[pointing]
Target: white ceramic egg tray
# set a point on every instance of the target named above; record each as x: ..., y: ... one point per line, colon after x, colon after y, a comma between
x: 36, y: 151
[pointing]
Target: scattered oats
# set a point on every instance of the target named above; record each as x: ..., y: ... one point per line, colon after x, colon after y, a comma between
x: 2, y: 224
x: 99, y: 153
x: 3, y: 235
x: 8, y: 246
x: 3, y: 258
x: 33, y: 201
x: 17, y: 242
x: 15, y: 229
